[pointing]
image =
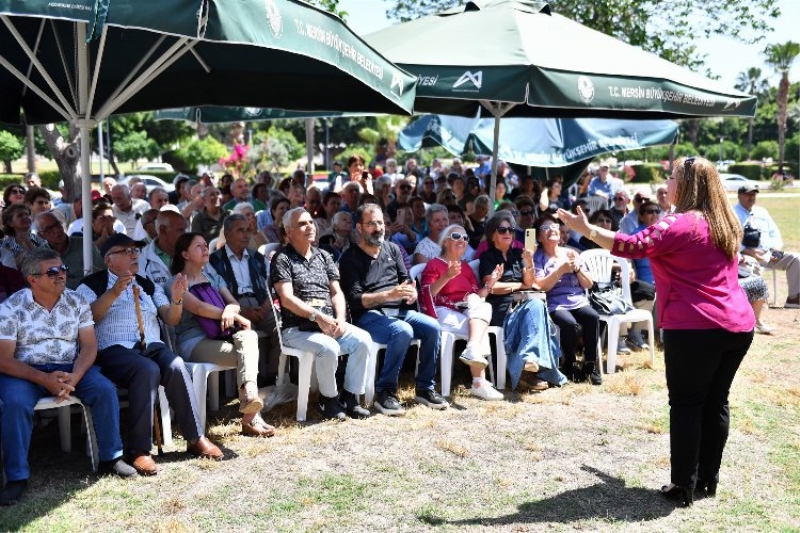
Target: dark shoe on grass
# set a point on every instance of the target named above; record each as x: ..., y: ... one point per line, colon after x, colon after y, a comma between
x: 116, y: 467
x: 13, y: 492
x: 351, y: 405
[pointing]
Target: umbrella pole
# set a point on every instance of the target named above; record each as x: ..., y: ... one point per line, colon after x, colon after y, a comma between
x: 85, y: 127
x: 497, y: 110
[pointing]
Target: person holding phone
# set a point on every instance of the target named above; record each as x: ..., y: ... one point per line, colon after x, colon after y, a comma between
x: 459, y: 305
x: 382, y: 301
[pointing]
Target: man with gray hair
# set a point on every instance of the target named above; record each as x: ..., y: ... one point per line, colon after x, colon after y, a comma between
x: 157, y: 256
x: 313, y: 313
x: 245, y: 273
x: 126, y: 209
x: 70, y: 248
x: 55, y: 358
x: 240, y: 190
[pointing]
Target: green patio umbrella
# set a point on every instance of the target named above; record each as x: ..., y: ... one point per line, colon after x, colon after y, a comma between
x: 83, y: 60
x: 516, y: 58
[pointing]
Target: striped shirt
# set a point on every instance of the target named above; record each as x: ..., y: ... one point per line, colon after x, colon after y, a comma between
x: 119, y: 326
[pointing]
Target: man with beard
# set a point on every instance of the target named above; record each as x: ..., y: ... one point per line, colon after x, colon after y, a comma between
x: 314, y: 316
x: 380, y: 293
x: 70, y: 248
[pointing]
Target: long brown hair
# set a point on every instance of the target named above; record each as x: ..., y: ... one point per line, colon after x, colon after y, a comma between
x: 699, y: 188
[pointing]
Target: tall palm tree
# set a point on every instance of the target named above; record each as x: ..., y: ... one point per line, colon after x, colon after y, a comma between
x: 751, y: 82
x: 780, y: 57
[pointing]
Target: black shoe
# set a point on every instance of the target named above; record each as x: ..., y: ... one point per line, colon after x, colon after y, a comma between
x: 351, y: 405
x: 387, y: 403
x: 673, y: 492
x: 116, y: 467
x: 330, y: 408
x: 431, y: 398
x: 13, y: 492
x: 575, y: 374
x: 706, y: 488
x: 591, y: 371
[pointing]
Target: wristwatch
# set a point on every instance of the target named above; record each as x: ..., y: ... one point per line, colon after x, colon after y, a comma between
x: 593, y: 233
x: 313, y: 316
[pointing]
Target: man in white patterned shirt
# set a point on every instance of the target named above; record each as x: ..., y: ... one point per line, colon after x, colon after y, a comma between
x: 48, y: 348
x: 132, y: 354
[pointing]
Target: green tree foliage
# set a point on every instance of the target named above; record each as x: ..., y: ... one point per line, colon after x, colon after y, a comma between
x: 669, y: 29
x: 781, y: 57
x: 765, y: 150
x: 198, y: 152
x: 752, y: 82
x: 332, y: 6
x: 134, y: 146
x: 11, y: 148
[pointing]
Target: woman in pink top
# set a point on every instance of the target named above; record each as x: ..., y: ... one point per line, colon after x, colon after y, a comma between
x: 707, y: 320
x: 459, y: 306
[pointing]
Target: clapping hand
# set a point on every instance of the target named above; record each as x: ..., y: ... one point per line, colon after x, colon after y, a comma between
x: 453, y: 269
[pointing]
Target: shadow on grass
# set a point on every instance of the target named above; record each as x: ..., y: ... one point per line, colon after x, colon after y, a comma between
x: 607, y: 500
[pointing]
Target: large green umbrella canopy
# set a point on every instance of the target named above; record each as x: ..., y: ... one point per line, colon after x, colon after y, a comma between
x: 221, y: 115
x: 516, y: 58
x: 83, y: 60
x: 537, y: 142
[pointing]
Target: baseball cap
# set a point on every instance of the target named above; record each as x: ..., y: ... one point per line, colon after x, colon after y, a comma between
x: 96, y: 196
x: 118, y: 239
x: 747, y: 189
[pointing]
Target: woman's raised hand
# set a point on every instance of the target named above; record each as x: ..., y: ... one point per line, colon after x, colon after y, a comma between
x: 577, y: 222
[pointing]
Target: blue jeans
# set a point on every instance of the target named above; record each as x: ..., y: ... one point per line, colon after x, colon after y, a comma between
x: 18, y: 397
x: 397, y: 335
x: 355, y: 342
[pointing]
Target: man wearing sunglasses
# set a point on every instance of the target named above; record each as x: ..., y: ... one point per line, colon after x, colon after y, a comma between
x: 55, y: 358
x: 380, y: 295
x: 126, y: 308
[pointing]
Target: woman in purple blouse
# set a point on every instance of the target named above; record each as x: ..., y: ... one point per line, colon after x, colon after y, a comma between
x: 707, y: 320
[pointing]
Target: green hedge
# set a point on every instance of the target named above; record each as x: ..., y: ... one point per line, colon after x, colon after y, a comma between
x: 10, y: 179
x: 648, y: 173
x: 750, y: 171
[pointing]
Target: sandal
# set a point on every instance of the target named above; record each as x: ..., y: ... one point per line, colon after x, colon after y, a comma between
x: 257, y: 428
x: 249, y: 400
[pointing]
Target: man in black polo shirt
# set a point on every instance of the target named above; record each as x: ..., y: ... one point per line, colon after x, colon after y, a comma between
x: 379, y: 292
x: 313, y: 314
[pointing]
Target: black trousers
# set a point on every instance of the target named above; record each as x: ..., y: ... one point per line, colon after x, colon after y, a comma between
x: 568, y: 322
x: 701, y: 365
x: 141, y: 373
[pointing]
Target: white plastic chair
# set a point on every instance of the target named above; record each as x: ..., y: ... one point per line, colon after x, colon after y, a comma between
x: 595, y: 202
x: 64, y: 425
x: 266, y: 250
x: 205, y: 380
x: 774, y: 284
x: 499, y: 378
x: 599, y: 262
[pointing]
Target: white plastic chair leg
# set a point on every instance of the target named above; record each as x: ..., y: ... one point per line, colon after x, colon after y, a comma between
x: 306, y: 365
x: 651, y: 337
x: 612, y: 330
x: 91, y: 439
x: 166, y: 419
x: 502, y: 360
x: 65, y: 427
x: 446, y: 356
x: 281, y: 369
x: 213, y: 390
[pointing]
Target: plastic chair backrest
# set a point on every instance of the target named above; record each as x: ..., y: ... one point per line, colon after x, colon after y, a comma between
x: 416, y: 272
x: 474, y: 264
x: 595, y: 202
x: 266, y: 250
x: 601, y: 263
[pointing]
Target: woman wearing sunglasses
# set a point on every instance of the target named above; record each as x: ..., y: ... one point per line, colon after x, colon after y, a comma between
x: 13, y: 194
x: 527, y: 320
x: 17, y: 229
x: 561, y: 274
x: 707, y: 320
x: 459, y: 306
x: 239, y: 349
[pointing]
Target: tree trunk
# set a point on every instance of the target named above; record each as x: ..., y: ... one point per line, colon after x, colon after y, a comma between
x: 693, y: 127
x: 750, y: 138
x: 783, y: 104
x: 7, y: 167
x: 30, y: 150
x: 67, y: 156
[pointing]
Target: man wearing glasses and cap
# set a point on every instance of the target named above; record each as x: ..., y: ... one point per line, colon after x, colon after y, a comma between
x: 126, y: 308
x: 55, y: 358
x: 619, y: 208
x: 630, y: 222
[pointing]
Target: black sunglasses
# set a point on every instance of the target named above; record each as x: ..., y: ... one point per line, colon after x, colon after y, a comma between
x: 54, y: 272
x: 502, y: 230
x: 405, y: 187
x: 16, y: 191
x: 652, y: 211
x: 526, y: 213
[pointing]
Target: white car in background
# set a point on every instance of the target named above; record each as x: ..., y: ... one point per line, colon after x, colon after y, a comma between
x: 155, y: 167
x: 151, y: 182
x: 732, y: 182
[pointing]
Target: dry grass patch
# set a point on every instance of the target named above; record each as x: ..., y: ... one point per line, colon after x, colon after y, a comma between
x: 627, y: 384
x: 452, y: 447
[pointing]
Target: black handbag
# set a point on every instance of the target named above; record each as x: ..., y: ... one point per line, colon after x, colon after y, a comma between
x: 752, y: 236
x: 609, y: 301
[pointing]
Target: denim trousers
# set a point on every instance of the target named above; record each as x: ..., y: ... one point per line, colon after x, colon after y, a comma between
x: 354, y: 341
x: 701, y: 365
x: 397, y: 334
x: 18, y: 397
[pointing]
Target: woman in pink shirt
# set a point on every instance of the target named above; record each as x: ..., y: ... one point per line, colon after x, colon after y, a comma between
x: 707, y: 320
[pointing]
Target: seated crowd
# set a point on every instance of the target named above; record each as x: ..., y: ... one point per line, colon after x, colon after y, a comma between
x: 391, y: 257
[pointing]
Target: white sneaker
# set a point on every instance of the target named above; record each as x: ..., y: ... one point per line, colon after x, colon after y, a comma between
x: 486, y: 392
x: 470, y: 357
x: 764, y: 329
x: 621, y: 348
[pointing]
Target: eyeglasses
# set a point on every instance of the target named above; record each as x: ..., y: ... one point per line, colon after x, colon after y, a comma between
x: 526, y: 213
x: 54, y: 272
x: 548, y: 227
x: 375, y: 223
x: 502, y: 230
x: 427, y: 183
x: 652, y: 211
x: 456, y: 236
x: 619, y: 199
x: 16, y: 191
x: 405, y: 187
x: 126, y: 251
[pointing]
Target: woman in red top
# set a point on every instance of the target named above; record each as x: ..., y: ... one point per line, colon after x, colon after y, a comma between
x: 707, y: 320
x: 459, y: 305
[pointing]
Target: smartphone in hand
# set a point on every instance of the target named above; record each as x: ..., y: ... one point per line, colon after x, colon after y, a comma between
x: 777, y: 254
x: 530, y: 239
